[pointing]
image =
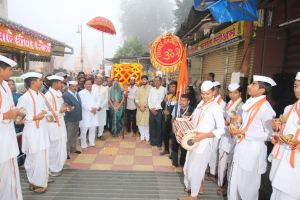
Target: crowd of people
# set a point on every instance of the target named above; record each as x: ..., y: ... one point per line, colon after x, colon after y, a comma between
x: 231, y: 137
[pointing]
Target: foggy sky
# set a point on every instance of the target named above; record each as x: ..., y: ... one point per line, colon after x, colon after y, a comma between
x: 59, y: 19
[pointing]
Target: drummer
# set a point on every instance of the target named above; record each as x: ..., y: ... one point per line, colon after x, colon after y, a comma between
x: 209, y: 122
x: 183, y: 109
x: 227, y: 142
x: 285, y: 171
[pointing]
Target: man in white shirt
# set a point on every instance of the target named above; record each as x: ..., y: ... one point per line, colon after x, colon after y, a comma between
x: 89, y: 120
x: 102, y: 96
x: 10, y: 187
x: 214, y: 155
x: 227, y: 141
x: 156, y: 96
x: 131, y: 107
x: 35, y: 137
x: 250, y: 153
x: 57, y: 128
x: 209, y: 123
x: 285, y: 170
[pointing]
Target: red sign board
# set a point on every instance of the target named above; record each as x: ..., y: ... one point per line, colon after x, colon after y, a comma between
x: 23, y: 42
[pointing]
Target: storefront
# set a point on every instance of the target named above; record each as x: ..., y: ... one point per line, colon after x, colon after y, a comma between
x: 221, y: 53
x: 25, y: 45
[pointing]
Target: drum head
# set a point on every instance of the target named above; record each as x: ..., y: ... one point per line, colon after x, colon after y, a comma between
x: 186, y: 141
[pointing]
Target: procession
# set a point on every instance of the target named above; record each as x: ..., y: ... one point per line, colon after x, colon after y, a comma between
x: 216, y: 117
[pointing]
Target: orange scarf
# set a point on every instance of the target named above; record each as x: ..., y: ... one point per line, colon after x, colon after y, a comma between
x: 253, y: 112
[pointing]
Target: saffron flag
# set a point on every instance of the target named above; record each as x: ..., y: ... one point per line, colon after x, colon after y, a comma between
x: 183, y: 78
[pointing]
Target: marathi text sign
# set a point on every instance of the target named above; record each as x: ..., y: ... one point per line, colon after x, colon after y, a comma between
x: 222, y: 37
x: 23, y: 42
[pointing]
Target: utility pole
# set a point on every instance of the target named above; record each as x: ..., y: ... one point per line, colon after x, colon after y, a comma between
x: 79, y: 31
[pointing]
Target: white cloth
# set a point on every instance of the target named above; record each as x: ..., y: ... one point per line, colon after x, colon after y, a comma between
x: 8, y: 142
x: 144, y: 131
x: 214, y: 157
x: 10, y: 186
x: 37, y: 168
x: 34, y: 139
x: 57, y: 155
x: 194, y: 169
x: 100, y: 130
x: 102, y: 97
x: 244, y: 185
x: 89, y: 100
x: 282, y: 175
x: 156, y: 96
x: 249, y: 157
x: 223, y: 164
x: 279, y: 195
x: 57, y: 133
x: 131, y: 98
x: 83, y: 133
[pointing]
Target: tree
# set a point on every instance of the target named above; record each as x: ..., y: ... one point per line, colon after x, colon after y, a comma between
x: 132, y: 47
x: 146, y: 19
x: 182, y: 11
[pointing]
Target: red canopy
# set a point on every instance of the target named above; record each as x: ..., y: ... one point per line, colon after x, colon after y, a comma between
x: 102, y: 24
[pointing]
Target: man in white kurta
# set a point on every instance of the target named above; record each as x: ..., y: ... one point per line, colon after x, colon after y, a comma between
x: 285, y: 170
x: 102, y: 96
x: 214, y: 156
x: 250, y: 153
x: 227, y: 142
x: 35, y: 137
x: 57, y: 129
x: 89, y: 120
x: 10, y: 187
x: 209, y: 123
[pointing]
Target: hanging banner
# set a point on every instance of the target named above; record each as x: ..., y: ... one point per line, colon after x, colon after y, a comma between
x: 166, y: 53
x: 224, y: 37
x: 17, y: 40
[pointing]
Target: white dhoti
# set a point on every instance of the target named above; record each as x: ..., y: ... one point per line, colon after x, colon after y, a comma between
x: 101, y: 121
x: 222, y: 166
x: 83, y: 133
x: 37, y: 168
x: 279, y: 195
x: 244, y: 185
x: 10, y: 187
x: 57, y: 155
x: 214, y: 156
x: 194, y: 169
x: 144, y: 130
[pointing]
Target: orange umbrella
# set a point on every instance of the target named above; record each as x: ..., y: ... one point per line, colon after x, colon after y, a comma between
x: 102, y: 24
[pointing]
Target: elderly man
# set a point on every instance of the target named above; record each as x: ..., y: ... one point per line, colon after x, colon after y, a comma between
x: 131, y: 107
x: 102, y: 96
x: 10, y: 187
x: 73, y: 117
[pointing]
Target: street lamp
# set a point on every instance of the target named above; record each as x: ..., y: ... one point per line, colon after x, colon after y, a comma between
x: 79, y: 31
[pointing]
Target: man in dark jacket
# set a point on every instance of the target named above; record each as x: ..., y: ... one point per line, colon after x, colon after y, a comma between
x: 73, y: 117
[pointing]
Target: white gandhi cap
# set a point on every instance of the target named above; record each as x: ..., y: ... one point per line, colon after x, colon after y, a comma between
x: 55, y: 77
x: 264, y: 79
x: 298, y: 76
x: 206, y: 85
x: 8, y: 61
x: 31, y: 75
x: 233, y: 86
x: 216, y: 83
x: 72, y: 83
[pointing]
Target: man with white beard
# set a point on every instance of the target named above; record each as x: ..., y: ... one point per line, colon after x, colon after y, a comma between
x: 57, y: 128
x: 102, y: 96
x: 10, y: 187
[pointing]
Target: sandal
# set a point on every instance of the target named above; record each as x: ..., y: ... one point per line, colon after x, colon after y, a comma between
x: 40, y: 190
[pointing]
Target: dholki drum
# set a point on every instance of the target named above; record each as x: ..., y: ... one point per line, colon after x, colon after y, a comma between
x: 184, y: 132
